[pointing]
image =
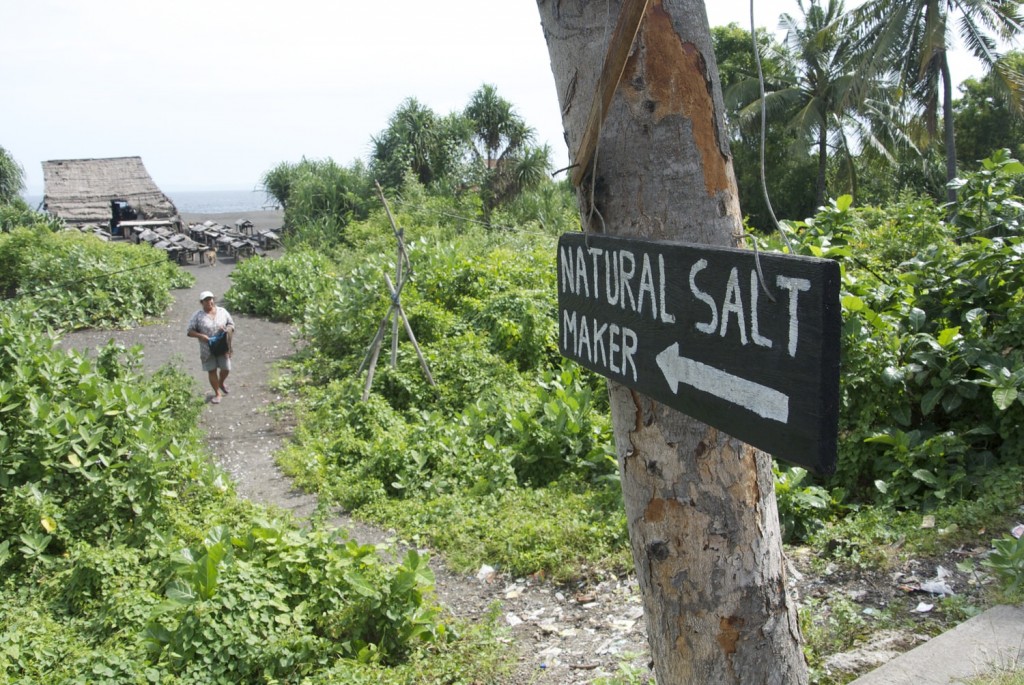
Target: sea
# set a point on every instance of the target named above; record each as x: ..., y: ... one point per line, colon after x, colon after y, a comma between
x: 205, y: 201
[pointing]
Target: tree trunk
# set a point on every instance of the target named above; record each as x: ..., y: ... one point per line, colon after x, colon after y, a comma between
x: 701, y: 505
x: 819, y: 192
x: 947, y: 127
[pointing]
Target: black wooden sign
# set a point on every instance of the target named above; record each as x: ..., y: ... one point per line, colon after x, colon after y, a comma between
x: 695, y: 328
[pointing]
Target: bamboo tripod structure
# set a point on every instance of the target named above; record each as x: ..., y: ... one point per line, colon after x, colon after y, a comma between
x: 395, y: 312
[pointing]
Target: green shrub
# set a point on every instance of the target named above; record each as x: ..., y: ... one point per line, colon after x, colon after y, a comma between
x: 802, y: 508
x: 1007, y: 563
x: 72, y: 280
x: 930, y: 355
x: 280, y: 289
x: 309, y: 599
x: 88, y: 451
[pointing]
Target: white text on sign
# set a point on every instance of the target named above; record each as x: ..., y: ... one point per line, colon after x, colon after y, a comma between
x: 636, y: 282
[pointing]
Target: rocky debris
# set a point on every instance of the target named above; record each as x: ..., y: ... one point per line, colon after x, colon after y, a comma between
x: 879, y: 649
x: 565, y: 635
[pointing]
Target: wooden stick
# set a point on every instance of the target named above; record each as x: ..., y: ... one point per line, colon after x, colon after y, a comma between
x: 408, y: 331
x: 399, y: 236
x: 394, y: 324
x: 626, y: 28
x: 375, y: 353
x: 377, y: 340
x: 396, y: 309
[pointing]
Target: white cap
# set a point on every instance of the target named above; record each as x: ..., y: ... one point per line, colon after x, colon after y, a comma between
x: 205, y: 294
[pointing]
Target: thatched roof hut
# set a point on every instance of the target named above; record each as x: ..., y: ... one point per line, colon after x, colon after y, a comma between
x: 80, y: 190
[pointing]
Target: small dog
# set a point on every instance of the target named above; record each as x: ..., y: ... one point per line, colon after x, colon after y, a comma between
x: 211, y: 257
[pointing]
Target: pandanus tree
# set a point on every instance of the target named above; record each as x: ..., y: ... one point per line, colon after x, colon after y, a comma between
x: 418, y: 140
x: 12, y: 178
x: 508, y: 161
x: 911, y: 39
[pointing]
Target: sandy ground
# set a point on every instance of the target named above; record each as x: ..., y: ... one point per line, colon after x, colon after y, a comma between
x: 261, y: 220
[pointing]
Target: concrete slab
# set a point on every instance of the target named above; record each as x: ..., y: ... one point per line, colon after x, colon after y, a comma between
x: 990, y: 641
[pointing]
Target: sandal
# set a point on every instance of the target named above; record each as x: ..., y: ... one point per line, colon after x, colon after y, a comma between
x: 215, y: 399
x: 224, y: 389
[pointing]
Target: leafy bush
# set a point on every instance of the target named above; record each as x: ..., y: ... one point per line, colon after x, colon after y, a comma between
x: 988, y: 200
x: 309, y: 600
x: 87, y: 451
x: 76, y: 281
x: 930, y: 352
x: 280, y: 289
x: 802, y: 508
x: 1007, y: 563
x: 18, y: 214
x: 124, y: 558
x: 320, y: 198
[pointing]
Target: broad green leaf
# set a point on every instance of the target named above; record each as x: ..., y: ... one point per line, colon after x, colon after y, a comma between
x: 917, y: 318
x: 844, y: 202
x: 976, y: 314
x: 902, y: 415
x: 948, y: 335
x: 931, y: 398
x: 1004, y: 397
x: 181, y: 592
x: 359, y: 584
x: 853, y: 303
x: 926, y: 476
x: 892, y: 376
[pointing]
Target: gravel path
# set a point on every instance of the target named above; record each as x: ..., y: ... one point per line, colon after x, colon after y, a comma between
x: 565, y: 636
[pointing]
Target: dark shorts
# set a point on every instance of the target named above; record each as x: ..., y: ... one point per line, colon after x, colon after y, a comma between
x: 221, y: 362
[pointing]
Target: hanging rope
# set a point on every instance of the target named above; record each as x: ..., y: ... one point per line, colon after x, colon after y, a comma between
x: 764, y: 127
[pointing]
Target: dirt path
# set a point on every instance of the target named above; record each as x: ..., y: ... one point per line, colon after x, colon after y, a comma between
x: 565, y: 636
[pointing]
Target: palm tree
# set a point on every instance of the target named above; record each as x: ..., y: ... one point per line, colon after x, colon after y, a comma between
x: 510, y: 164
x: 910, y: 37
x: 497, y: 129
x: 820, y: 100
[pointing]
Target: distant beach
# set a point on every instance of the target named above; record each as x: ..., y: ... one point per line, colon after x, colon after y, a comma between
x: 205, y: 201
x: 219, y: 201
x: 262, y: 219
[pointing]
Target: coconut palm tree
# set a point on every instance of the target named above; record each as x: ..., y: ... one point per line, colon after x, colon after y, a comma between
x: 820, y: 96
x: 910, y: 38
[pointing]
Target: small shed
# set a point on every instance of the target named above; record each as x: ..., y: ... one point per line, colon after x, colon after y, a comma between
x: 81, y: 190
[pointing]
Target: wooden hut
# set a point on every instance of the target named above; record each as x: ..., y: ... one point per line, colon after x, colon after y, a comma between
x: 81, y: 191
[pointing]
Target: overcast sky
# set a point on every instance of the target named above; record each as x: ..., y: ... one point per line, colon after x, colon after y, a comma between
x: 213, y: 93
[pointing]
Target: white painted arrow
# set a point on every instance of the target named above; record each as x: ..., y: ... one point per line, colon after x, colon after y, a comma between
x: 762, y: 400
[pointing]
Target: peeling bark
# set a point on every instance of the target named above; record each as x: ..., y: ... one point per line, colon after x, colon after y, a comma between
x: 701, y: 506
